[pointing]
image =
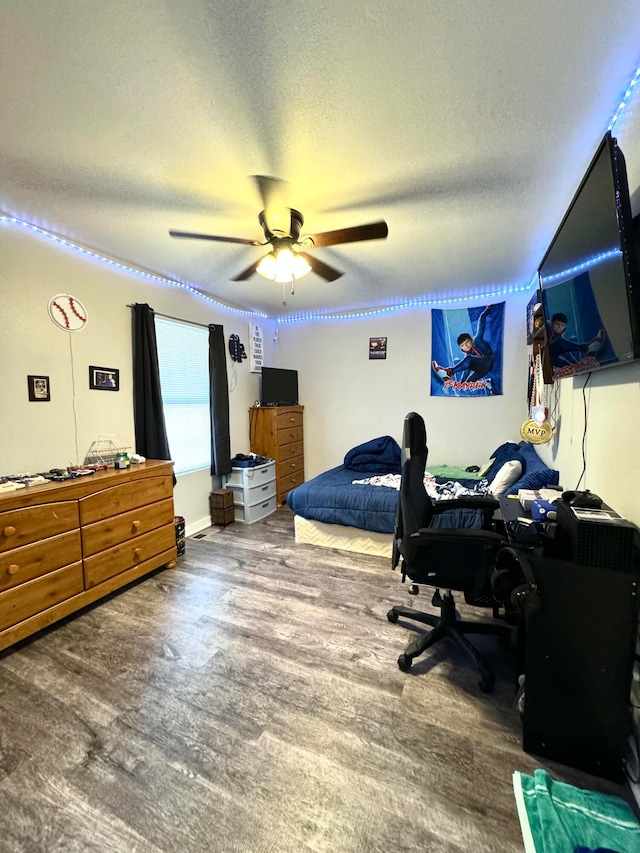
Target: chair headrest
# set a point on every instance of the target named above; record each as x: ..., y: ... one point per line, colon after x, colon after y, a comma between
x: 414, y: 437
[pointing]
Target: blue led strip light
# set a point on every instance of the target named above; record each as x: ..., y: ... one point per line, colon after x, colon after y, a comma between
x: 11, y: 220
x: 592, y: 262
x: 419, y: 302
x: 625, y: 100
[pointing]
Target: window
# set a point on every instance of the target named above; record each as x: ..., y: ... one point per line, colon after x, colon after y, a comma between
x: 183, y: 355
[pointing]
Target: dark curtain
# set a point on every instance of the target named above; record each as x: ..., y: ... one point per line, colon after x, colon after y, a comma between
x: 219, y: 398
x: 150, y: 430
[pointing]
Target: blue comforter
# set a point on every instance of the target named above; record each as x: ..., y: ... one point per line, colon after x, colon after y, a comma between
x: 332, y: 498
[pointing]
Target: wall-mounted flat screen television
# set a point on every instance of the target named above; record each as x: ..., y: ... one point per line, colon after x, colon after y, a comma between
x: 589, y: 276
x: 279, y: 387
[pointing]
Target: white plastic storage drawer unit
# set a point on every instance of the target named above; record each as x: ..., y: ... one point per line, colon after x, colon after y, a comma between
x: 254, y: 491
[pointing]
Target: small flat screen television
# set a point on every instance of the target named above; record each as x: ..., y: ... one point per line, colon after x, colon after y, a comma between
x: 279, y: 387
x: 589, y: 276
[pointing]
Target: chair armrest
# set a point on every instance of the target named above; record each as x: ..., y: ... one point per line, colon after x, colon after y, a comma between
x: 479, y: 533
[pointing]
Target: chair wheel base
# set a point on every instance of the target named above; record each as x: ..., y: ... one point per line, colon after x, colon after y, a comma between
x: 392, y: 616
x: 404, y: 663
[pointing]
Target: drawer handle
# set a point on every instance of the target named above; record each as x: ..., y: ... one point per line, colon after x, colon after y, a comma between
x: 136, y: 524
x: 13, y: 569
x: 264, y: 488
x: 264, y: 506
x: 137, y: 553
x: 9, y: 530
x: 293, y: 420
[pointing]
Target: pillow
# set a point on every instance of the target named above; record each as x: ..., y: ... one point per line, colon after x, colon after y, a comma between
x: 536, y: 478
x: 505, y: 453
x: 506, y: 477
x: 536, y: 473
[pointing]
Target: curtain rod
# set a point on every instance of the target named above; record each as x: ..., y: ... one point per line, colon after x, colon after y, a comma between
x: 178, y: 319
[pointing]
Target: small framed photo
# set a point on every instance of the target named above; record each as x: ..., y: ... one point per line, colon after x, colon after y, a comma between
x: 377, y: 348
x: 104, y: 378
x: 39, y: 389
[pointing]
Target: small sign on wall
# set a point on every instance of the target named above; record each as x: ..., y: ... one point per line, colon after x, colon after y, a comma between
x: 256, y: 347
x: 377, y: 347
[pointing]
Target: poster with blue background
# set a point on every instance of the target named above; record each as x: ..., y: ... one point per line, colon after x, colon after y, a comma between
x: 466, y: 351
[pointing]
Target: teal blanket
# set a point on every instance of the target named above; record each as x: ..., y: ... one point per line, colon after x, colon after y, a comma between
x: 451, y: 472
x: 558, y: 818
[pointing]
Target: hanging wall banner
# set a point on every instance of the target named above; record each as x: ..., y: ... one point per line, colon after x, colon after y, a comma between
x: 466, y: 351
x: 256, y: 347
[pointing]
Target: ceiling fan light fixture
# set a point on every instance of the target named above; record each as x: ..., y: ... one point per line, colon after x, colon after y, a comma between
x: 283, y: 265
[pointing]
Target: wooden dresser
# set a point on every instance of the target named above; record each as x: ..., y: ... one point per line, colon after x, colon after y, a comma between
x: 276, y: 432
x: 65, y: 545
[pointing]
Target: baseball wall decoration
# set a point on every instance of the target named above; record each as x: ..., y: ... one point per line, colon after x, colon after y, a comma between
x: 67, y: 312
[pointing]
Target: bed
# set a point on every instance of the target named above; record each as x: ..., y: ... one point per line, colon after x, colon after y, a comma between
x: 353, y: 508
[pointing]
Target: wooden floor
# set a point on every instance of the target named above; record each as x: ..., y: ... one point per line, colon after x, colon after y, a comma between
x: 249, y: 700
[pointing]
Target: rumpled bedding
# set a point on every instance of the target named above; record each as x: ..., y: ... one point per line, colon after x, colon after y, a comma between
x: 379, y: 456
x: 437, y: 490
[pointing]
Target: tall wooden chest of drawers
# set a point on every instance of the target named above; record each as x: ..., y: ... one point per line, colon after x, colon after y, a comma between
x: 65, y: 545
x: 276, y: 432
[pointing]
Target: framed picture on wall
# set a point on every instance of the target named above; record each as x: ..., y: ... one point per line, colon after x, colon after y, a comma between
x: 104, y: 378
x: 377, y: 347
x: 39, y: 389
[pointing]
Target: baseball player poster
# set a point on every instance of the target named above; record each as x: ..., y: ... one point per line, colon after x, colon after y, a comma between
x: 466, y: 351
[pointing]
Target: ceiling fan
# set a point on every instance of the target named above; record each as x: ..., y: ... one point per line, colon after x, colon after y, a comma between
x: 287, y: 261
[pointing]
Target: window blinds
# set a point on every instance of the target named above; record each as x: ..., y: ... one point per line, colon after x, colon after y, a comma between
x: 183, y: 356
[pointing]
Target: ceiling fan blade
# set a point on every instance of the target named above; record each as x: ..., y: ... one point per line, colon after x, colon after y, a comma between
x: 372, y: 231
x: 319, y: 267
x: 214, y: 237
x: 277, y: 213
x: 247, y: 273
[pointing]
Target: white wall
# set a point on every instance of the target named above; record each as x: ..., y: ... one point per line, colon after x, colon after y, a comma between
x: 349, y: 399
x: 36, y: 436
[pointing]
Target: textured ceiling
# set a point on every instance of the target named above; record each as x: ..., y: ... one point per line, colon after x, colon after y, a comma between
x: 467, y: 126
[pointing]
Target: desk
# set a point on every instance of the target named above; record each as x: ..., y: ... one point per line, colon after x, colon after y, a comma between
x: 578, y: 656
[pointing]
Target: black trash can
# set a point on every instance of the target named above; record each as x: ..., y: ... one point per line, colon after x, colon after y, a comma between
x: 180, y: 538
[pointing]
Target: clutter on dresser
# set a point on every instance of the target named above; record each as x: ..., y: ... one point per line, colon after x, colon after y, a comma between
x: 64, y: 545
x: 105, y: 449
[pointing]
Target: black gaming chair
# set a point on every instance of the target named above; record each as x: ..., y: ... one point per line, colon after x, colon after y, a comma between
x: 460, y: 558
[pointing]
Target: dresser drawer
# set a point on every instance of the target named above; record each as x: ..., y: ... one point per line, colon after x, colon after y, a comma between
x: 32, y: 561
x: 289, y: 451
x: 285, y: 420
x: 287, y: 435
x: 251, y: 476
x: 126, y: 496
x: 128, y: 525
x: 37, y: 595
x: 291, y: 466
x: 126, y: 555
x: 249, y: 514
x: 288, y: 482
x: 253, y: 494
x: 31, y: 524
